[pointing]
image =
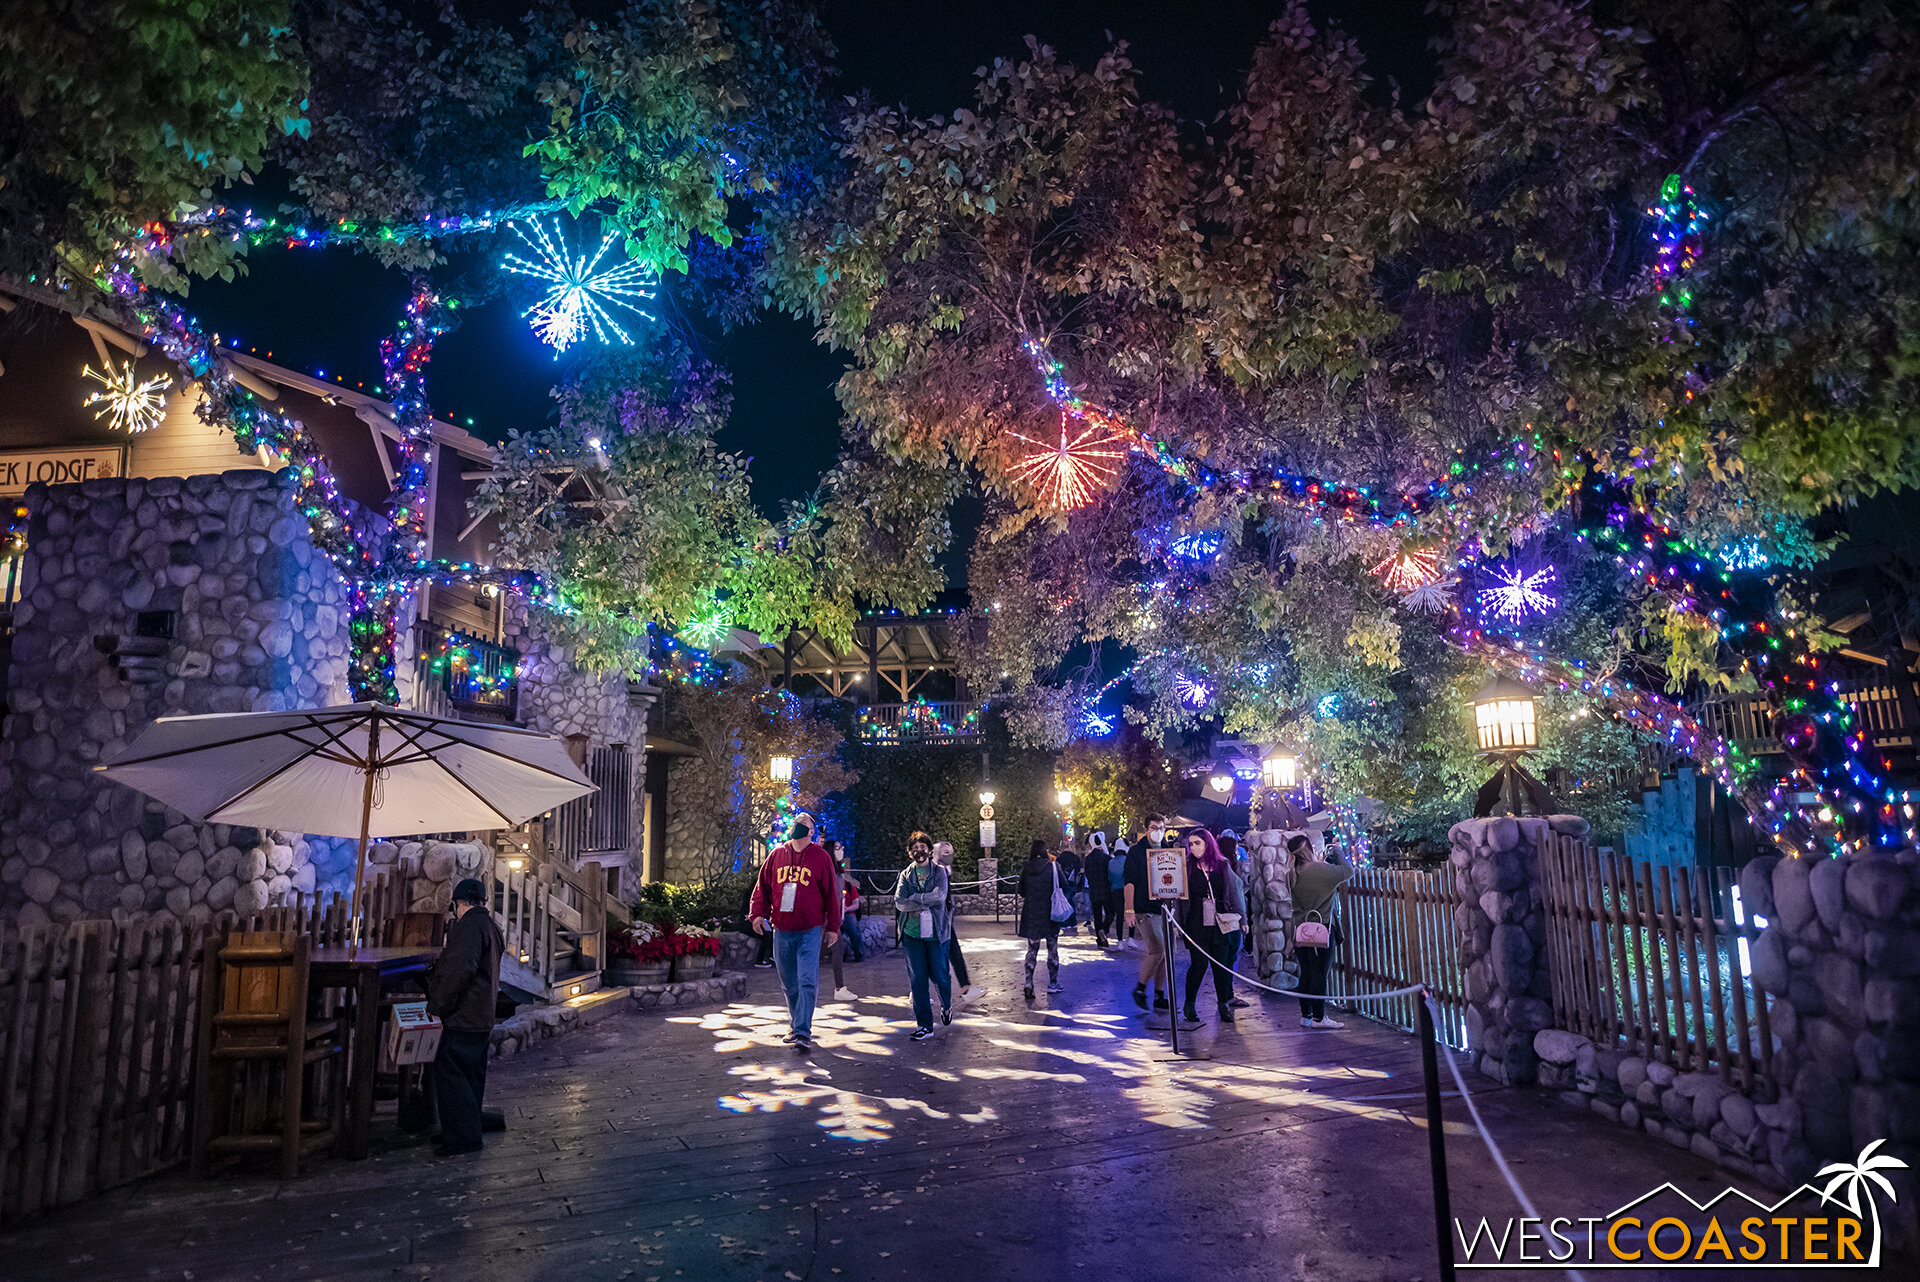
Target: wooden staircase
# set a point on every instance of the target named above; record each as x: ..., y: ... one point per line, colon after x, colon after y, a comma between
x: 555, y: 922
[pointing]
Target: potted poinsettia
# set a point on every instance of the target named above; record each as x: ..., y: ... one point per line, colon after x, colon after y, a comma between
x: 695, y: 953
x: 638, y: 955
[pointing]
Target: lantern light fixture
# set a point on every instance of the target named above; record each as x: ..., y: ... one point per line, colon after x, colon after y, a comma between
x: 782, y: 769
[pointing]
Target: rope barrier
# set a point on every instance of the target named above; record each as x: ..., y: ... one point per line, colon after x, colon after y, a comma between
x: 1486, y: 1136
x: 1292, y: 992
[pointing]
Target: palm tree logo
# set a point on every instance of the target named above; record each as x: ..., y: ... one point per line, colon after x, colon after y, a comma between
x: 1855, y: 1178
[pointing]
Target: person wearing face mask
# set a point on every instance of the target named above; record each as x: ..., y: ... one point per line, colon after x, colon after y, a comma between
x: 1208, y: 898
x: 926, y: 923
x: 943, y: 856
x: 1040, y: 880
x: 1142, y: 915
x: 798, y: 896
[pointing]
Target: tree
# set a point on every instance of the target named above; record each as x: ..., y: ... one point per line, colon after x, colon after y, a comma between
x: 1116, y: 785
x: 737, y: 728
x: 114, y: 116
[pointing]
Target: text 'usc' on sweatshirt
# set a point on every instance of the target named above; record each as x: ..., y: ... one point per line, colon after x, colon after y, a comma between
x: 815, y: 895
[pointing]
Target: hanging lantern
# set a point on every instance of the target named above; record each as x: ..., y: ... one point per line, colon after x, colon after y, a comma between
x: 1503, y: 714
x: 782, y: 770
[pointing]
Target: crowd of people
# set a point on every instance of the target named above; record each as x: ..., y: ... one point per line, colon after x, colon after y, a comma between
x: 805, y: 905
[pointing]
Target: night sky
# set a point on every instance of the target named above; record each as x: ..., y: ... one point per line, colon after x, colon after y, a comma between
x: 327, y: 312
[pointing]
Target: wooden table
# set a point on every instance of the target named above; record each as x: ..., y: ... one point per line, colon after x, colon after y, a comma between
x: 364, y: 972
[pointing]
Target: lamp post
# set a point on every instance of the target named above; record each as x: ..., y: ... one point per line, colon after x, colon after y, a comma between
x: 781, y: 769
x: 1506, y: 722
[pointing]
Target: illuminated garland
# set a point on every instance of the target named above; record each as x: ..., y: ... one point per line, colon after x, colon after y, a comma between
x: 918, y: 720
x: 672, y: 660
x: 1678, y: 241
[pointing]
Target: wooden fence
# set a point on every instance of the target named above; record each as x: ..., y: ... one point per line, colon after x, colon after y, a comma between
x: 95, y: 1067
x: 99, y: 1024
x: 1647, y: 959
x: 1397, y: 929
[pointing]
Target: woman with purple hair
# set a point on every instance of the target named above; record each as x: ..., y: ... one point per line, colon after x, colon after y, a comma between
x: 1208, y: 898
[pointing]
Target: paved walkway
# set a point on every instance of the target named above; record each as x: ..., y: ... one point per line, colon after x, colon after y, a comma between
x: 1044, y: 1143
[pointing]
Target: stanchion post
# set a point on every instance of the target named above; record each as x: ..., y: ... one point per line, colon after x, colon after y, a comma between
x: 1436, y: 1139
x: 1166, y: 955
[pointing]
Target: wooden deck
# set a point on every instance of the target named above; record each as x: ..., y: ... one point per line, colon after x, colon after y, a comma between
x: 1045, y: 1143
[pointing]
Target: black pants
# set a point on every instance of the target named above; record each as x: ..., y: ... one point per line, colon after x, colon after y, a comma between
x: 459, y: 1084
x: 957, y: 962
x: 1207, y: 952
x: 1105, y: 914
x: 1313, y: 979
x: 764, y: 953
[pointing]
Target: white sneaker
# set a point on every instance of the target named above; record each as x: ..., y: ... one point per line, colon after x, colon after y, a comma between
x: 1305, y: 1022
x: 844, y: 995
x: 968, y: 994
x: 1326, y: 1022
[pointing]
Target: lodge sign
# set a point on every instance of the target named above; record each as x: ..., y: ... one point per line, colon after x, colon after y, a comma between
x: 21, y: 468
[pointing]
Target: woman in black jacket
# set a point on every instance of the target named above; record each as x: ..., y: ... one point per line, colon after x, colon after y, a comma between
x: 1208, y: 896
x: 1037, y: 882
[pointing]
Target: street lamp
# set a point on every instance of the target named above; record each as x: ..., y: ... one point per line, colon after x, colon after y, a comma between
x: 1065, y: 797
x: 1282, y: 768
x: 1504, y: 717
x: 782, y: 770
x: 1222, y: 783
x: 986, y: 796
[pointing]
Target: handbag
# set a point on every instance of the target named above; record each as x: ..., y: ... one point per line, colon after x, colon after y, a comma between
x: 1062, y: 907
x: 1227, y: 922
x: 1312, y: 934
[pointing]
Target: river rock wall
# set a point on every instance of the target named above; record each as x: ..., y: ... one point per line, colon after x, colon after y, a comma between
x: 144, y: 598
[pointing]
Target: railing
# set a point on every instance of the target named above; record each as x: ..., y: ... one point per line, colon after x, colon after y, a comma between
x: 600, y: 822
x: 1398, y: 929
x: 1645, y: 959
x: 455, y: 674
x: 1746, y: 720
x: 921, y: 721
x: 555, y: 923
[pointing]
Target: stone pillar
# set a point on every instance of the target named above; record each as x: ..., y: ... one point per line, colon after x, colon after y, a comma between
x: 1270, y: 904
x: 1840, y: 956
x: 1502, y: 928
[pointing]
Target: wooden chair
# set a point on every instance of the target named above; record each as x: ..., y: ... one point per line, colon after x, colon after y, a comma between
x: 261, y: 1063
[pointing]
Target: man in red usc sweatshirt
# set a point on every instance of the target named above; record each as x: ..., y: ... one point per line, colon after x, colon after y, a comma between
x: 797, y: 897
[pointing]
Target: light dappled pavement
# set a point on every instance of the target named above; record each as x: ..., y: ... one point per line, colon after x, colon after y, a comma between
x: 1056, y: 1141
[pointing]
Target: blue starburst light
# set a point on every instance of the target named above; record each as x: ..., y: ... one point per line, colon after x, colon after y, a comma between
x: 579, y: 288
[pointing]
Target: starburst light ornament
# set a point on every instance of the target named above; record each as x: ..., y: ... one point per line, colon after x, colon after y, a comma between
x: 1096, y: 723
x: 129, y: 403
x: 1191, y: 691
x: 580, y: 289
x: 709, y: 628
x: 1409, y: 568
x: 1430, y: 598
x: 1067, y: 475
x: 1517, y: 595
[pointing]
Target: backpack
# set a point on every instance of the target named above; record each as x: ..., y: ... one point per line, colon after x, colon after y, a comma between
x: 1117, y: 873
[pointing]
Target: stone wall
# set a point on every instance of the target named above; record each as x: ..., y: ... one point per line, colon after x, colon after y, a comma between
x: 605, y: 708
x: 431, y: 867
x: 1839, y: 957
x: 693, y: 833
x: 259, y: 621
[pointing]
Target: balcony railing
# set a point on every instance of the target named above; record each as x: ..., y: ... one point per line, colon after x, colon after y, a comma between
x: 922, y: 721
x: 460, y: 674
x: 1746, y: 720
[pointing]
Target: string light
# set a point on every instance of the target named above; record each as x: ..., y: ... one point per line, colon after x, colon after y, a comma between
x: 131, y: 404
x: 579, y: 289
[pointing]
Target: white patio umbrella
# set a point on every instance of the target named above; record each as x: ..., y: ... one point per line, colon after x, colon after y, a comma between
x: 358, y: 770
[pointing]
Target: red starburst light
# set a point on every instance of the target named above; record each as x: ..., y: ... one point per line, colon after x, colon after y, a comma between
x: 1409, y: 568
x: 1069, y: 474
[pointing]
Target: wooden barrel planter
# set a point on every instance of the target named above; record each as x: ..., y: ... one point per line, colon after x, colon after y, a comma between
x: 693, y: 966
x: 629, y: 974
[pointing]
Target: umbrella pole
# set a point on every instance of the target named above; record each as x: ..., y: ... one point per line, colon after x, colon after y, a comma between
x: 355, y: 927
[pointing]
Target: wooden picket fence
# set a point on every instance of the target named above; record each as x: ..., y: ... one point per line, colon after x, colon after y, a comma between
x: 1649, y: 959
x: 1397, y: 928
x: 98, y: 1028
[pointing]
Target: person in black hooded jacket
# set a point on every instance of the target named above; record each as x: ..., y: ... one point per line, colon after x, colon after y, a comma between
x: 462, y: 989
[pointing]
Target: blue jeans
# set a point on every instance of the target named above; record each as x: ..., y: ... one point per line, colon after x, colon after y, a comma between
x: 927, y: 959
x: 797, y: 954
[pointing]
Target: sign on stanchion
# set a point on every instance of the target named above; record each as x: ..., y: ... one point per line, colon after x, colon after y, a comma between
x: 1167, y: 885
